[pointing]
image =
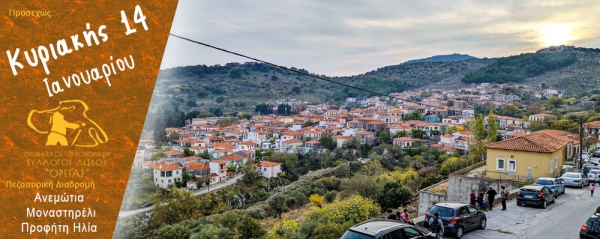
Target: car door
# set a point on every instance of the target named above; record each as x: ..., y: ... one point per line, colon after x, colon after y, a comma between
x: 547, y: 194
x: 411, y: 233
x: 465, y: 218
x: 560, y: 187
x: 396, y: 234
x: 475, y: 215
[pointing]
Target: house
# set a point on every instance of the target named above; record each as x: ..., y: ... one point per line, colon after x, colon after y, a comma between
x: 340, y: 140
x: 174, y: 154
x: 403, y: 142
x: 432, y: 118
x: 530, y: 156
x: 269, y: 169
x: 167, y: 174
x: 191, y: 185
x: 198, y: 169
x: 365, y: 137
x: 218, y: 171
x: 542, y: 117
x: 236, y: 160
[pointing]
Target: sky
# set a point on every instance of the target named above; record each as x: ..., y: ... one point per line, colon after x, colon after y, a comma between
x: 350, y: 37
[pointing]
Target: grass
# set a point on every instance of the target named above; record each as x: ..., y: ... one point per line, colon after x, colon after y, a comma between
x: 441, y: 188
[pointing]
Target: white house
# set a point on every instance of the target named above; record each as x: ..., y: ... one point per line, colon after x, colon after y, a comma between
x: 167, y: 174
x: 269, y: 169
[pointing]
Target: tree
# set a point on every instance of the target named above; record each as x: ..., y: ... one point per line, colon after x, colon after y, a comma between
x: 220, y: 99
x: 394, y: 195
x: 536, y: 108
x: 565, y: 125
x: 176, y: 231
x: 537, y: 126
x: 278, y: 205
x: 415, y: 115
x: 417, y: 133
x: 187, y: 152
x: 249, y: 228
x: 401, y: 133
x: 250, y: 174
x: 450, y: 103
x: 362, y: 185
x: 191, y: 103
x: 492, y: 128
x: 159, y: 133
x: 327, y: 142
x: 385, y: 138
x: 205, y: 154
x: 176, y: 205
x: 316, y: 199
x: 224, y: 122
x: 479, y: 129
x: 555, y: 102
x: 352, y: 210
x: 296, y: 90
x: 373, y: 166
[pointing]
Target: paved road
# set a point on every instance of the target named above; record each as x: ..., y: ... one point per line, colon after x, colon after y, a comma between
x: 562, y: 219
x: 226, y: 183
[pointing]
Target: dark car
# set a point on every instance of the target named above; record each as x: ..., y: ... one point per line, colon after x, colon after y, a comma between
x: 146, y: 204
x: 591, y: 228
x: 596, y: 154
x: 384, y: 229
x: 458, y: 218
x: 535, y: 195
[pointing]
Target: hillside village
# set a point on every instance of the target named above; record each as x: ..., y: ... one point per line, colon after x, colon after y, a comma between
x: 429, y: 133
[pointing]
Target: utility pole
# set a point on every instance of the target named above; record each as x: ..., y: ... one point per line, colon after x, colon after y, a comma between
x: 580, y: 142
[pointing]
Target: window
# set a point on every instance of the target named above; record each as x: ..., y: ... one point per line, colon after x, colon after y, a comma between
x: 472, y: 209
x: 265, y: 169
x: 177, y: 172
x: 552, y: 166
x: 556, y: 162
x: 411, y: 233
x: 169, y: 181
x: 512, y: 165
x: 395, y: 234
x: 499, y: 164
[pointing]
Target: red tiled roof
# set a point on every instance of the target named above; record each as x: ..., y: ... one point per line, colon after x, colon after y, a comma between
x: 268, y: 164
x: 232, y: 157
x: 537, y: 142
x: 168, y: 167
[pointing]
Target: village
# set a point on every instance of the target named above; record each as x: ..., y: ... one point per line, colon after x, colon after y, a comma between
x: 209, y: 151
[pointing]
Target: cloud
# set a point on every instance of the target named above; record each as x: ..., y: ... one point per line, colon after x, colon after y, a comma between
x: 352, y: 37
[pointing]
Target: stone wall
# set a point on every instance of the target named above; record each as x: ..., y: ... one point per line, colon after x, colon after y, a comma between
x: 428, y: 199
x: 459, y: 187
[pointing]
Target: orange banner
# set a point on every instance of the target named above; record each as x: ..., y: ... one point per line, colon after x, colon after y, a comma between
x: 77, y: 78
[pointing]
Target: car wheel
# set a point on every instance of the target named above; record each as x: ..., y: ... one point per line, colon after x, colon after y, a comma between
x: 544, y: 204
x: 554, y: 199
x: 459, y: 232
x: 518, y: 204
x: 581, y: 185
x: 482, y: 224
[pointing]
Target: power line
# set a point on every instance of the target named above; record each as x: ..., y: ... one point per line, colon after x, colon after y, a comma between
x: 303, y: 73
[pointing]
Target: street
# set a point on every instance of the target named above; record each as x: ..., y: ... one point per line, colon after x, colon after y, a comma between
x: 562, y: 219
x: 226, y: 183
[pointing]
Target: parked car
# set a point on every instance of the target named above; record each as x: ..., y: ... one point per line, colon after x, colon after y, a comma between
x: 554, y: 184
x: 591, y: 228
x: 535, y: 195
x: 458, y: 218
x: 596, y: 154
x: 146, y: 204
x: 386, y: 228
x: 575, y: 179
x: 591, y: 174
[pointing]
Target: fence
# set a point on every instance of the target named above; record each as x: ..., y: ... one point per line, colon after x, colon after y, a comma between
x: 501, y: 176
x: 467, y: 169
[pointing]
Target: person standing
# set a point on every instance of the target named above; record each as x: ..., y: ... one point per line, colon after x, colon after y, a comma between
x: 491, y: 194
x: 503, y: 196
x: 592, y: 189
x: 481, y: 202
x: 473, y: 198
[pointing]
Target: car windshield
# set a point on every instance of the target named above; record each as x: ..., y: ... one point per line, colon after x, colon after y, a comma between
x: 593, y: 224
x: 570, y: 175
x: 355, y: 235
x: 444, y: 211
x: 544, y: 182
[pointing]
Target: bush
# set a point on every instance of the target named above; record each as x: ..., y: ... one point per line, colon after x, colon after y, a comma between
x: 257, y: 213
x: 316, y: 199
x: 330, y: 230
x: 393, y: 195
x: 352, y: 210
x: 308, y: 227
x: 250, y: 228
x: 299, y: 197
x: 330, y: 196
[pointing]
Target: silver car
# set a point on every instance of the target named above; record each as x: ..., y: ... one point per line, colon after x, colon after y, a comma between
x: 575, y: 179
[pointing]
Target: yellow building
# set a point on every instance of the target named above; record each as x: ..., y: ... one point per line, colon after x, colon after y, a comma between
x: 540, y: 154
